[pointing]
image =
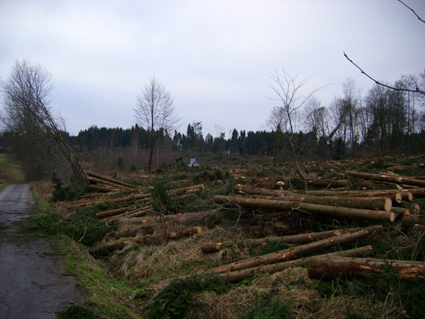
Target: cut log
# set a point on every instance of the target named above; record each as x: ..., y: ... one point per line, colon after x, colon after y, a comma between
x: 102, y: 188
x: 414, y: 208
x: 410, y: 220
x: 114, y: 212
x: 294, y: 239
x: 377, y: 203
x: 110, y: 180
x: 395, y: 195
x: 292, y: 253
x: 132, y: 232
x: 185, y: 233
x: 105, y: 250
x: 416, y: 191
x: 386, y: 178
x: 400, y: 211
x: 324, y: 182
x: 237, y: 276
x: 376, y: 215
x: 331, y: 268
x: 248, y: 190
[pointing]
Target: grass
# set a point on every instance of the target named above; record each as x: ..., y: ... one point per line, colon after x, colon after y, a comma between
x: 8, y: 170
x: 108, y: 295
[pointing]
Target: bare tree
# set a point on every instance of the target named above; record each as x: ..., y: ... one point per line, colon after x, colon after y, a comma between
x: 288, y: 91
x: 316, y: 118
x: 155, y: 111
x: 38, y: 144
x: 417, y: 86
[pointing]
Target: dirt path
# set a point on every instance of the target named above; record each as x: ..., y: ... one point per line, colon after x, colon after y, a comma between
x: 33, y: 282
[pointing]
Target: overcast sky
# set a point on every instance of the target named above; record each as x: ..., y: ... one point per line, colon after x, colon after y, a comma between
x: 213, y: 56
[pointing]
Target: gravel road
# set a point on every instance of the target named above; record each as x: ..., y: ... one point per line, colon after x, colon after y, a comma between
x: 33, y: 282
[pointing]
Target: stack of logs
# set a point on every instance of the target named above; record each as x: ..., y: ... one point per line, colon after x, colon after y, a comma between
x: 136, y: 211
x: 381, y: 206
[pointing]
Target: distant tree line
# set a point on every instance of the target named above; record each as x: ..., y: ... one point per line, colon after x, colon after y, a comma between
x: 382, y: 122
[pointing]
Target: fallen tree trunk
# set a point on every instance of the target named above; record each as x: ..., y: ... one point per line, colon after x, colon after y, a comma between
x: 331, y: 268
x: 376, y: 215
x: 293, y: 239
x: 292, y: 253
x: 237, y: 276
x: 386, y: 178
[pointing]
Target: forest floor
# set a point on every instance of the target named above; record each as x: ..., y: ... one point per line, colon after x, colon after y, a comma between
x: 160, y: 273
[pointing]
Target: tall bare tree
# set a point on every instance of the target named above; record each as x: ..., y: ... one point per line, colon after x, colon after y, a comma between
x: 351, y: 103
x: 155, y: 112
x: 38, y: 141
x: 288, y: 88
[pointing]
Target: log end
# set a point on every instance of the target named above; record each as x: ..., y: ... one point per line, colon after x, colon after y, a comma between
x: 388, y: 204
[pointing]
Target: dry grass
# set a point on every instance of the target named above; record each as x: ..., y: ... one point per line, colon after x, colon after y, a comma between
x: 43, y: 191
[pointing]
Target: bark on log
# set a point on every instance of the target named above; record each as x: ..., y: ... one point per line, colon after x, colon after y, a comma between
x: 326, y: 268
x: 292, y: 253
x: 293, y: 239
x: 386, y: 178
x: 376, y: 215
x: 236, y: 276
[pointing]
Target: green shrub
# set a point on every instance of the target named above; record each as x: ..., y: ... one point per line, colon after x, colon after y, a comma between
x: 77, y: 312
x: 63, y: 193
x: 173, y: 300
x: 82, y: 226
x: 269, y: 310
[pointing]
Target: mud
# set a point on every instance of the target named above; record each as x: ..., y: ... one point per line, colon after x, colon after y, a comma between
x: 33, y: 281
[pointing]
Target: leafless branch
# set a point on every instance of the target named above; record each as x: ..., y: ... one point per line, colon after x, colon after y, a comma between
x: 419, y: 18
x: 417, y: 90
